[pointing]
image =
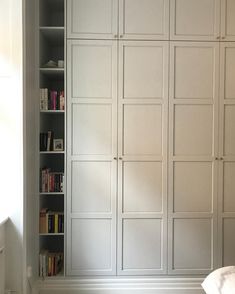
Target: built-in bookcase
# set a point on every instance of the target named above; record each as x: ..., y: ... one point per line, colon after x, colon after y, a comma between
x: 52, y: 138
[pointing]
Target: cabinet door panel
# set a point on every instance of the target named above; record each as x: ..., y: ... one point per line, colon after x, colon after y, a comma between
x: 228, y: 20
x: 142, y: 244
x: 192, y: 244
x: 142, y: 121
x: 90, y: 246
x: 92, y: 129
x: 189, y: 195
x: 91, y: 186
x: 229, y: 130
x: 91, y: 70
x: 92, y: 19
x: 147, y: 19
x: 142, y: 187
x: 143, y: 72
x: 195, y: 19
x: 193, y: 130
x: 228, y: 187
x: 229, y: 68
x: 228, y: 241
x: 194, y: 70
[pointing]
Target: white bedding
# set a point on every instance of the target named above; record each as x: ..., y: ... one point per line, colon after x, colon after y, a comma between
x: 220, y: 281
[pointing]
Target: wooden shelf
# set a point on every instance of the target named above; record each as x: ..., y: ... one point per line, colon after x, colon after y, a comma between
x: 51, y: 234
x: 52, y: 71
x: 52, y: 111
x: 51, y: 193
x: 51, y: 152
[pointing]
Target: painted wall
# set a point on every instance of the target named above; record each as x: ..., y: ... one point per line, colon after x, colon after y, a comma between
x: 11, y: 129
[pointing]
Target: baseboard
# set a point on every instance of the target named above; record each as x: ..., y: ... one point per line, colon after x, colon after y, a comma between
x: 119, y: 286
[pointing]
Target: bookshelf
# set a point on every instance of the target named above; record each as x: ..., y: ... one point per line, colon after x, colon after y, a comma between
x: 52, y: 145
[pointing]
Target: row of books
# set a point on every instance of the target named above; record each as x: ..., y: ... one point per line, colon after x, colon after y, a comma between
x: 50, y: 264
x: 51, y: 181
x: 46, y: 141
x: 51, y: 222
x: 51, y: 99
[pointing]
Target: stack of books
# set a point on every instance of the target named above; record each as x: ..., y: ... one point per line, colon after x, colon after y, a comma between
x: 50, y: 263
x: 46, y: 141
x: 51, y: 99
x: 51, y: 222
x: 51, y: 181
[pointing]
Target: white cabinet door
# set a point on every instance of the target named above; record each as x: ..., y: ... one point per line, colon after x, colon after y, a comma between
x: 143, y: 104
x: 92, y: 19
x: 148, y: 19
x: 227, y: 153
x: 195, y: 20
x: 228, y: 20
x: 193, y: 145
x: 92, y: 146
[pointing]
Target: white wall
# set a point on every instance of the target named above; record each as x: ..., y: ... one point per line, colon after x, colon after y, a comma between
x: 11, y: 130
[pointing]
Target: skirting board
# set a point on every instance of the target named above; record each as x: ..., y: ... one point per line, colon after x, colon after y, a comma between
x: 119, y: 286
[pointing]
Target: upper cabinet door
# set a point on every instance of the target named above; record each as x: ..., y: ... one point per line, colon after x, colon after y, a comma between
x: 228, y: 20
x: 195, y: 19
x: 92, y: 19
x: 144, y: 19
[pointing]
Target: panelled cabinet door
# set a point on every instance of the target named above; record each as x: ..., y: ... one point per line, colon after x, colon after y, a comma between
x: 92, y: 19
x: 92, y: 146
x: 148, y: 19
x: 142, y: 130
x: 227, y: 154
x: 228, y: 20
x: 195, y: 20
x: 193, y: 143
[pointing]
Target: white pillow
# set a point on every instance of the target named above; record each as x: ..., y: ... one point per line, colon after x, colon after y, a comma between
x: 220, y: 281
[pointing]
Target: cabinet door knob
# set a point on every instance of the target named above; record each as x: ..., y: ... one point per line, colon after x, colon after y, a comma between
x: 115, y: 158
x: 115, y: 36
x: 121, y: 36
x: 216, y: 158
x: 221, y: 158
x: 218, y: 37
x: 223, y: 37
x: 120, y: 158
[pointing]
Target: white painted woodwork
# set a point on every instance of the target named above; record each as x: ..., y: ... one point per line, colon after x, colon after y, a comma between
x: 229, y: 130
x: 92, y: 146
x: 228, y: 241
x: 91, y: 69
x: 192, y: 244
x: 142, y: 139
x: 227, y: 20
x: 194, y: 67
x: 91, y: 129
x: 193, y: 130
x: 228, y: 187
x: 91, y: 244
x: 92, y: 19
x: 91, y: 186
x: 142, y: 121
x: 195, y: 20
x: 142, y: 242
x: 226, y: 209
x: 142, y: 186
x: 147, y: 19
x: 189, y: 195
x: 193, y: 146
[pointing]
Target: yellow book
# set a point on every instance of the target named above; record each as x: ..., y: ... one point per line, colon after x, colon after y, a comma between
x: 56, y: 223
